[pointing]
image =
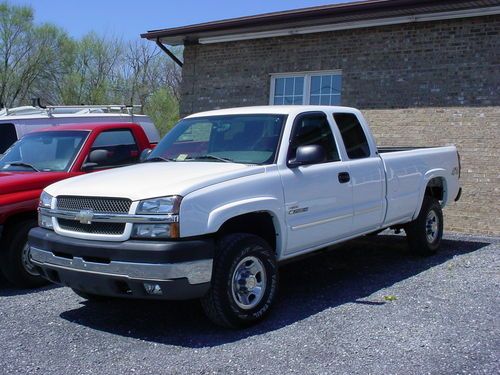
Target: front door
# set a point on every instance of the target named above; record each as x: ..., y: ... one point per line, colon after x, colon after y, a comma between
x: 318, y: 197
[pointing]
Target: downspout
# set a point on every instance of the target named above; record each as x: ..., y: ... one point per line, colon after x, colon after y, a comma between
x: 168, y: 52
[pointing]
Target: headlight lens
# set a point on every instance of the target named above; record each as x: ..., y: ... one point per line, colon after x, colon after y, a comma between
x: 45, y: 200
x: 159, y: 206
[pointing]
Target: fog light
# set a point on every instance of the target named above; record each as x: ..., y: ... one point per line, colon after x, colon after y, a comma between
x: 153, y: 289
x: 151, y: 231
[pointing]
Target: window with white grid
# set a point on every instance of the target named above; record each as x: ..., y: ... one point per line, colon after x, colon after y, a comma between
x: 315, y: 88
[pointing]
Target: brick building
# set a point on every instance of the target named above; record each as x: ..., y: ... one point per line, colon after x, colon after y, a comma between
x: 424, y: 73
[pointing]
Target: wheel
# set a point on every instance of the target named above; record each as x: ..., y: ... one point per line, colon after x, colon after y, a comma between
x: 424, y: 234
x: 244, y: 281
x: 90, y: 297
x: 15, y: 260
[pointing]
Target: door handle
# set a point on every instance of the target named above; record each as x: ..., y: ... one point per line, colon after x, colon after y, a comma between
x: 344, y: 177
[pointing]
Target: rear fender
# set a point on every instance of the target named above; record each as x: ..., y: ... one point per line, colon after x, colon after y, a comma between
x: 429, y: 175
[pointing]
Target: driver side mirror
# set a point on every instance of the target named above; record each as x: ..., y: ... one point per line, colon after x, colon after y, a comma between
x: 305, y: 155
x: 144, y: 154
x: 95, y: 158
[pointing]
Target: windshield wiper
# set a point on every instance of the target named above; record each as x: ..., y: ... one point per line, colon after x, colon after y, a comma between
x: 213, y: 157
x: 157, y: 158
x: 22, y: 164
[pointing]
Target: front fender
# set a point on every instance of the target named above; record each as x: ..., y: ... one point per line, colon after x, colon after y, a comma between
x: 19, y: 202
x: 271, y: 205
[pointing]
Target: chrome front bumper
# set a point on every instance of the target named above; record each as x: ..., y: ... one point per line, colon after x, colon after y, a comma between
x: 196, y: 272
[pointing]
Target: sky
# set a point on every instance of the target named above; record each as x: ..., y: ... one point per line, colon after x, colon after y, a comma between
x: 127, y: 19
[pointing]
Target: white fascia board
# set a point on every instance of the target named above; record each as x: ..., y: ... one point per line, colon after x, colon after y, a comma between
x: 353, y: 25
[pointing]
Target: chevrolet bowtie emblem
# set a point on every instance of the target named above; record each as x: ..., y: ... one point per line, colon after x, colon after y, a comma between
x: 85, y: 216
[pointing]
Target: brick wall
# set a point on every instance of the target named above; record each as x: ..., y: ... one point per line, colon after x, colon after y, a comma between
x: 426, y: 83
x: 476, y: 133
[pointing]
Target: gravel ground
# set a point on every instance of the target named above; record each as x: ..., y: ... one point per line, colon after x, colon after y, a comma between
x: 363, y: 308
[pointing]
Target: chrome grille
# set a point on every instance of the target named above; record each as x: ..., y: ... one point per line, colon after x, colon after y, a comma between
x: 94, y: 228
x: 96, y: 204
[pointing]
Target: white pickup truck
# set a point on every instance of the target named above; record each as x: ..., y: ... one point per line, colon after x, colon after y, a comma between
x: 229, y: 194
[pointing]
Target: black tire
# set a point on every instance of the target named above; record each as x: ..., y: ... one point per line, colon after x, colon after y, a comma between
x: 90, y: 297
x: 424, y: 234
x: 234, y: 253
x: 14, y: 260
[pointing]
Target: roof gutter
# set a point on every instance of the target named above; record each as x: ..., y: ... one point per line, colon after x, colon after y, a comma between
x: 168, y: 52
x: 352, y: 25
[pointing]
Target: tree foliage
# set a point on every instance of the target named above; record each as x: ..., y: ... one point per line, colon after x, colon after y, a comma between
x: 43, y: 61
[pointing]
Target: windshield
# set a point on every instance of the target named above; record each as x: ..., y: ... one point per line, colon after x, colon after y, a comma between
x: 249, y: 139
x: 43, y: 151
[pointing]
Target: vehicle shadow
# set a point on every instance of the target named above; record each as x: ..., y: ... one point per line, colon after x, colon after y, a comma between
x: 346, y: 274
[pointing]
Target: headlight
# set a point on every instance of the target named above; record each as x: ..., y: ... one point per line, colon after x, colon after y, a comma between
x: 45, y: 221
x: 159, y: 206
x: 45, y: 200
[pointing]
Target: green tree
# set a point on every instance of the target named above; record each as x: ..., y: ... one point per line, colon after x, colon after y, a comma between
x: 163, y: 108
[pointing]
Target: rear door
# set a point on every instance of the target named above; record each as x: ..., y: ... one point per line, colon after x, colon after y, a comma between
x: 318, y: 203
x: 366, y: 172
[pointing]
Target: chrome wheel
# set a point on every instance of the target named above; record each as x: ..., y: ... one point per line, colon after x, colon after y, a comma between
x: 432, y: 226
x: 248, y: 282
x: 25, y: 259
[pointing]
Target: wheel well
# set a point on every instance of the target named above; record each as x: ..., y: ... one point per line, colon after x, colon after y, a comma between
x: 18, y: 218
x: 258, y: 223
x: 436, y: 188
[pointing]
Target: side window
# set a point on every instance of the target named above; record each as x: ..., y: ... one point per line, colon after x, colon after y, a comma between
x: 7, y: 136
x: 353, y: 135
x: 120, y: 145
x: 313, y: 129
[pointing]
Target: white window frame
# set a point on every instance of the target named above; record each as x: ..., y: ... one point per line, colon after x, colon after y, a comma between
x: 307, y: 82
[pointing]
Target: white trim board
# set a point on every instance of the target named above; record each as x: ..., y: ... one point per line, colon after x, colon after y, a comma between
x: 353, y: 25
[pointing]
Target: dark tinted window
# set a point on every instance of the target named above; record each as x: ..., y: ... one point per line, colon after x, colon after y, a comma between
x: 353, y: 135
x: 121, y: 146
x: 114, y: 138
x: 7, y: 136
x: 313, y: 129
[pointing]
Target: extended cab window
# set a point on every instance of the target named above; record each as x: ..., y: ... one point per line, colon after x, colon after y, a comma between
x: 353, y: 135
x: 313, y: 129
x: 121, y: 147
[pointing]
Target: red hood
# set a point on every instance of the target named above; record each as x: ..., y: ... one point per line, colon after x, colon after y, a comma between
x: 13, y: 182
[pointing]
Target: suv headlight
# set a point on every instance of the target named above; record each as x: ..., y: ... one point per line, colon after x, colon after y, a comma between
x: 45, y: 221
x: 158, y: 206
x: 45, y: 200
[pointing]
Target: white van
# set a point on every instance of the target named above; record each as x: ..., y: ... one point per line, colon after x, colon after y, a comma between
x: 16, y: 122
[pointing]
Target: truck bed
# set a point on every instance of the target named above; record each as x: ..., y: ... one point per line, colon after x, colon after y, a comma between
x: 407, y: 169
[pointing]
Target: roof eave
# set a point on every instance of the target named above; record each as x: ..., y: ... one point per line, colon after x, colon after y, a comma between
x: 320, y: 19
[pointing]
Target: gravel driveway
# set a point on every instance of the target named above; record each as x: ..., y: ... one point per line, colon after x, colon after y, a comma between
x: 363, y: 308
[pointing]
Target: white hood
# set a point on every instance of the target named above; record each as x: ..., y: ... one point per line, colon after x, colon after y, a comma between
x: 150, y: 180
